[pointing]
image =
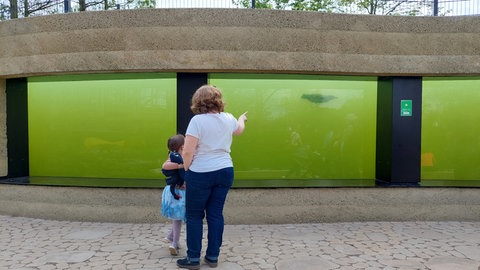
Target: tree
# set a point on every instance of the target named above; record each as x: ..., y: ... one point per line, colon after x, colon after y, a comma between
x: 258, y: 3
x: 83, y: 5
x: 13, y: 9
x: 311, y: 5
x: 392, y: 7
x: 381, y: 7
x: 146, y: 4
x: 30, y: 7
x: 25, y: 8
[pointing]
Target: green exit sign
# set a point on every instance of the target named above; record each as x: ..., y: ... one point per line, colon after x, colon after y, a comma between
x: 406, y: 107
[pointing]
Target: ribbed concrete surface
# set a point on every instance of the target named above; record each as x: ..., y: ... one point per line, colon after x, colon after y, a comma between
x: 239, y: 40
x: 248, y: 206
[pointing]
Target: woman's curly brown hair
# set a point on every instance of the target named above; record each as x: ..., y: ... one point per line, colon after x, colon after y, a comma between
x: 207, y: 99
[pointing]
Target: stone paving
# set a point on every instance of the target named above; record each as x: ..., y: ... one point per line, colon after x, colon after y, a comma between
x: 28, y: 243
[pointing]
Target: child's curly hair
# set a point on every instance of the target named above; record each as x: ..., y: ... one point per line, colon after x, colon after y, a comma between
x: 207, y: 99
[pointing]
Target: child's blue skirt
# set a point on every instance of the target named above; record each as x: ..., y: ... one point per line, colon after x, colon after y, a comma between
x: 171, y: 208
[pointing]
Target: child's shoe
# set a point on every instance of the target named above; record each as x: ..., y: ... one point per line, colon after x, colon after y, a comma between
x: 173, y: 250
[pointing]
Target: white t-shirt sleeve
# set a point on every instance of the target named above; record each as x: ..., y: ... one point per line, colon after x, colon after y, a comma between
x: 193, y: 128
x: 233, y: 121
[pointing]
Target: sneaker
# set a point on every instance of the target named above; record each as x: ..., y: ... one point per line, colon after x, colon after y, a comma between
x: 173, y: 251
x: 168, y: 240
x: 186, y: 263
x: 211, y: 263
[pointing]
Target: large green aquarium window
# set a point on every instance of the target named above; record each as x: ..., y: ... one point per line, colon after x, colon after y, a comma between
x: 103, y: 126
x: 111, y: 129
x: 450, y: 131
x: 302, y: 130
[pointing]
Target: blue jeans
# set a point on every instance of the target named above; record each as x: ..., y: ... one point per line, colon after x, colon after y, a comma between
x: 206, y: 194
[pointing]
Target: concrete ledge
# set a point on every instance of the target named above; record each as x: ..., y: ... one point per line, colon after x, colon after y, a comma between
x: 248, y: 206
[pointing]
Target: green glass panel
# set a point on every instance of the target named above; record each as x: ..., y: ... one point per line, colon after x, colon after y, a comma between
x: 450, y: 117
x: 302, y: 126
x: 95, y: 182
x: 100, y: 126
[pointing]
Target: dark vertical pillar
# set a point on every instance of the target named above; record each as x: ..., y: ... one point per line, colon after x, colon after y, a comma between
x: 384, y: 129
x: 17, y: 128
x: 67, y: 6
x: 399, y: 111
x: 187, y: 84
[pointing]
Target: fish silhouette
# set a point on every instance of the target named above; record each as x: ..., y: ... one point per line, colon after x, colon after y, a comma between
x: 318, y: 98
x: 92, y: 142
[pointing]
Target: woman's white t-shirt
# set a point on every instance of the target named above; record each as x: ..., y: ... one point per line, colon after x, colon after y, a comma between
x: 214, y: 133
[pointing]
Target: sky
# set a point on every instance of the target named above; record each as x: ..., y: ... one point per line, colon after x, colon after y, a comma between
x: 461, y: 7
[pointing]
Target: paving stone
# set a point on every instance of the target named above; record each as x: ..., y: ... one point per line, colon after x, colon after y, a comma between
x: 305, y: 264
x: 449, y: 263
x: 225, y: 266
x: 88, y: 234
x: 471, y: 252
x: 65, y: 257
x: 347, y: 250
x: 46, y: 244
x: 407, y: 263
x: 120, y: 247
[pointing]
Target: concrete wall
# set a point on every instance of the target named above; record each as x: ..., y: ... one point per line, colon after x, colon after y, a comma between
x: 248, y: 206
x: 239, y: 40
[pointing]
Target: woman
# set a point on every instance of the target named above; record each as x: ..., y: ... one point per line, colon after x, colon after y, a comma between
x: 209, y: 176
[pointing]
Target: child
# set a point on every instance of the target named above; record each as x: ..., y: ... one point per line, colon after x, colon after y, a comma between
x: 175, y: 176
x: 173, y: 196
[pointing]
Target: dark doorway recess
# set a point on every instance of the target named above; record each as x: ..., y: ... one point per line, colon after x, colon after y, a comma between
x: 399, y: 119
x: 187, y: 84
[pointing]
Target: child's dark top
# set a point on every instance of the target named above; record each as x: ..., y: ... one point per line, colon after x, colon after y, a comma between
x: 175, y: 177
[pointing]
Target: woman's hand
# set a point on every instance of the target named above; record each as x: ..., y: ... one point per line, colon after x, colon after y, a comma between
x: 241, y: 124
x: 243, y: 117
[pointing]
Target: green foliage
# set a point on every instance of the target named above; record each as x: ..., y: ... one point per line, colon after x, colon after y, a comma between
x: 3, y: 12
x: 27, y: 8
x: 258, y: 3
x: 309, y: 5
x: 282, y: 4
x: 146, y: 4
x: 380, y: 7
x: 313, y: 5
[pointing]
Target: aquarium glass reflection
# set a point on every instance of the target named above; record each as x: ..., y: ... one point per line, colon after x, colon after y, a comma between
x: 450, y: 128
x: 103, y: 126
x: 302, y: 126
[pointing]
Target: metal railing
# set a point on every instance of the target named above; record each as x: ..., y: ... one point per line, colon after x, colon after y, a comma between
x: 382, y: 7
x: 385, y: 7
